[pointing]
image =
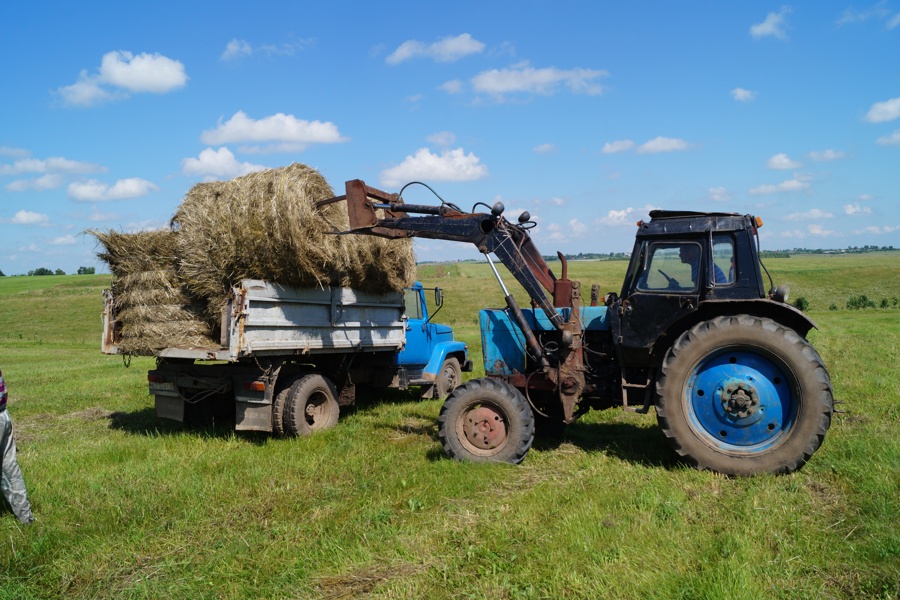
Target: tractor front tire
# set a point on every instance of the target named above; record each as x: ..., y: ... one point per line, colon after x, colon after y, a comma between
x: 486, y: 420
x: 742, y: 395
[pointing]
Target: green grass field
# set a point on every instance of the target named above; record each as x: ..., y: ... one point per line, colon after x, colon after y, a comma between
x: 129, y: 506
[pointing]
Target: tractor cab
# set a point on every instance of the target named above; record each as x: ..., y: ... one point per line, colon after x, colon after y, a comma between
x: 682, y: 260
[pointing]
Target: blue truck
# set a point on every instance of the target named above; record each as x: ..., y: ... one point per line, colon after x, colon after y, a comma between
x: 290, y: 358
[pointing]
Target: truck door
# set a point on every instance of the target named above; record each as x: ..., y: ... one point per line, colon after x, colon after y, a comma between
x: 664, y: 287
x: 417, y: 351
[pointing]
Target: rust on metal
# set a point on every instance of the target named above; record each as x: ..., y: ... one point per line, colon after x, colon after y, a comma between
x: 485, y: 427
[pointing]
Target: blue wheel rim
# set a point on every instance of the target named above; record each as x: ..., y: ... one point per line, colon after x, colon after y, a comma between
x: 740, y: 401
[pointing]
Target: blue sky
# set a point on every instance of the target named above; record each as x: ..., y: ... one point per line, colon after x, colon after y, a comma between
x: 586, y: 114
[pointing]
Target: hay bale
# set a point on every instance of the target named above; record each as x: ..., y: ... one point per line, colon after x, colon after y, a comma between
x: 152, y: 306
x: 265, y: 226
x: 170, y: 285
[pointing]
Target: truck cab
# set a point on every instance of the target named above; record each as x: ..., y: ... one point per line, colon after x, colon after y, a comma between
x: 431, y: 357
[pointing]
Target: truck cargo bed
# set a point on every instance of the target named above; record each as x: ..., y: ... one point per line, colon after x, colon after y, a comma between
x: 267, y: 319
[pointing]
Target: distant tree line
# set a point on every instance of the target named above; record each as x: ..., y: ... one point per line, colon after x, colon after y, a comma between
x: 46, y: 271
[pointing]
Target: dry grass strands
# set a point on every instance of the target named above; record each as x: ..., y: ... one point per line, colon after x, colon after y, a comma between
x: 170, y: 285
x: 265, y: 226
x: 152, y: 307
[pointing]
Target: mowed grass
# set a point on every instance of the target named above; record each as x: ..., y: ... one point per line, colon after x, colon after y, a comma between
x: 129, y: 506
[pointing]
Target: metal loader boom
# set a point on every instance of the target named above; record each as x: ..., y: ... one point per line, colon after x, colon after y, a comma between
x: 511, y: 244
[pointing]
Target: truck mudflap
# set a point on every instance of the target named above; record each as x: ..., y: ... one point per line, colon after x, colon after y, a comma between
x: 440, y: 354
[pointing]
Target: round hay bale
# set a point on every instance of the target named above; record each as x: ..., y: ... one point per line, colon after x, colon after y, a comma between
x: 265, y: 225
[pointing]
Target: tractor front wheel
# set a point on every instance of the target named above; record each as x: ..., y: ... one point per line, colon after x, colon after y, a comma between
x: 486, y: 420
x: 742, y: 395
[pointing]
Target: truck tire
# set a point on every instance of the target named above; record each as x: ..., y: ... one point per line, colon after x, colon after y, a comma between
x: 742, y: 395
x: 486, y: 420
x: 448, y: 378
x: 311, y: 405
x: 278, y: 404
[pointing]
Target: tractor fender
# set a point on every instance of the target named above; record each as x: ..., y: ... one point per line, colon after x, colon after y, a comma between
x: 781, y: 313
x: 440, y: 353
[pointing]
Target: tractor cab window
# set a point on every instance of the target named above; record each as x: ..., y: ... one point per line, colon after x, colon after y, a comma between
x: 413, y: 304
x: 723, y: 259
x: 671, y: 266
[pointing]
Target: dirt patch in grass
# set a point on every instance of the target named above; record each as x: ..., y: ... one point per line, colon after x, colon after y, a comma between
x: 363, y: 581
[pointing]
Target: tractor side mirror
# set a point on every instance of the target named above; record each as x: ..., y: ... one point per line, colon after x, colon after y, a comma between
x: 438, y: 297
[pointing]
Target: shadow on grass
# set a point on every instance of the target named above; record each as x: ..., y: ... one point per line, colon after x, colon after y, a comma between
x: 646, y: 446
x: 145, y: 422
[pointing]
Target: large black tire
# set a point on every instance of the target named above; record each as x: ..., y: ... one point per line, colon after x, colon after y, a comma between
x: 448, y: 378
x: 279, y: 403
x: 486, y: 420
x: 311, y: 405
x: 742, y: 395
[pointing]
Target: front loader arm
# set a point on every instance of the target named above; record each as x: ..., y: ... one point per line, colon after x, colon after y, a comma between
x: 489, y: 232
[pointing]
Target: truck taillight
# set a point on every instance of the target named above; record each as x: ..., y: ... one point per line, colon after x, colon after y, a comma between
x: 155, y: 378
x: 255, y: 386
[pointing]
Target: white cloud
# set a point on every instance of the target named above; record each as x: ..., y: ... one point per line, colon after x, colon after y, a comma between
x: 815, y: 213
x: 857, y: 209
x: 815, y: 229
x: 774, y: 25
x: 742, y: 95
x: 26, y: 217
x: 544, y: 148
x: 66, y: 240
x: 447, y: 49
x: 782, y: 162
x: 884, y: 111
x: 236, y: 49
x: 282, y: 132
x: 528, y: 80
x: 850, y: 15
x: 874, y: 230
x: 893, y: 21
x: 719, y: 194
x: 442, y: 138
x: 617, y: 217
x: 50, y: 181
x: 96, y: 191
x: 54, y: 164
x: 450, y: 165
x: 556, y: 201
x: 797, y: 184
x: 662, y: 144
x: 152, y: 73
x: 827, y: 155
x: 454, y: 86
x: 573, y: 229
x: 217, y: 164
x: 617, y: 146
x: 13, y: 152
x: 122, y: 72
x: 892, y: 139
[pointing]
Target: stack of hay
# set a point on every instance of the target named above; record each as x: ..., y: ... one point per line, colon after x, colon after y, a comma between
x: 152, y: 306
x: 260, y: 226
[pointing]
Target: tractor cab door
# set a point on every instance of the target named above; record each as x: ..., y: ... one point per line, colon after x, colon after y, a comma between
x: 662, y: 286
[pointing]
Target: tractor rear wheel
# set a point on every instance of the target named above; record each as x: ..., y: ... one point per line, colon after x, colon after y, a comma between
x: 742, y: 395
x: 486, y: 420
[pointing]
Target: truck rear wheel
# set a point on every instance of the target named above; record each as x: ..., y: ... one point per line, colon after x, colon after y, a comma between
x: 486, y: 420
x: 311, y: 405
x: 448, y: 379
x: 742, y: 395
